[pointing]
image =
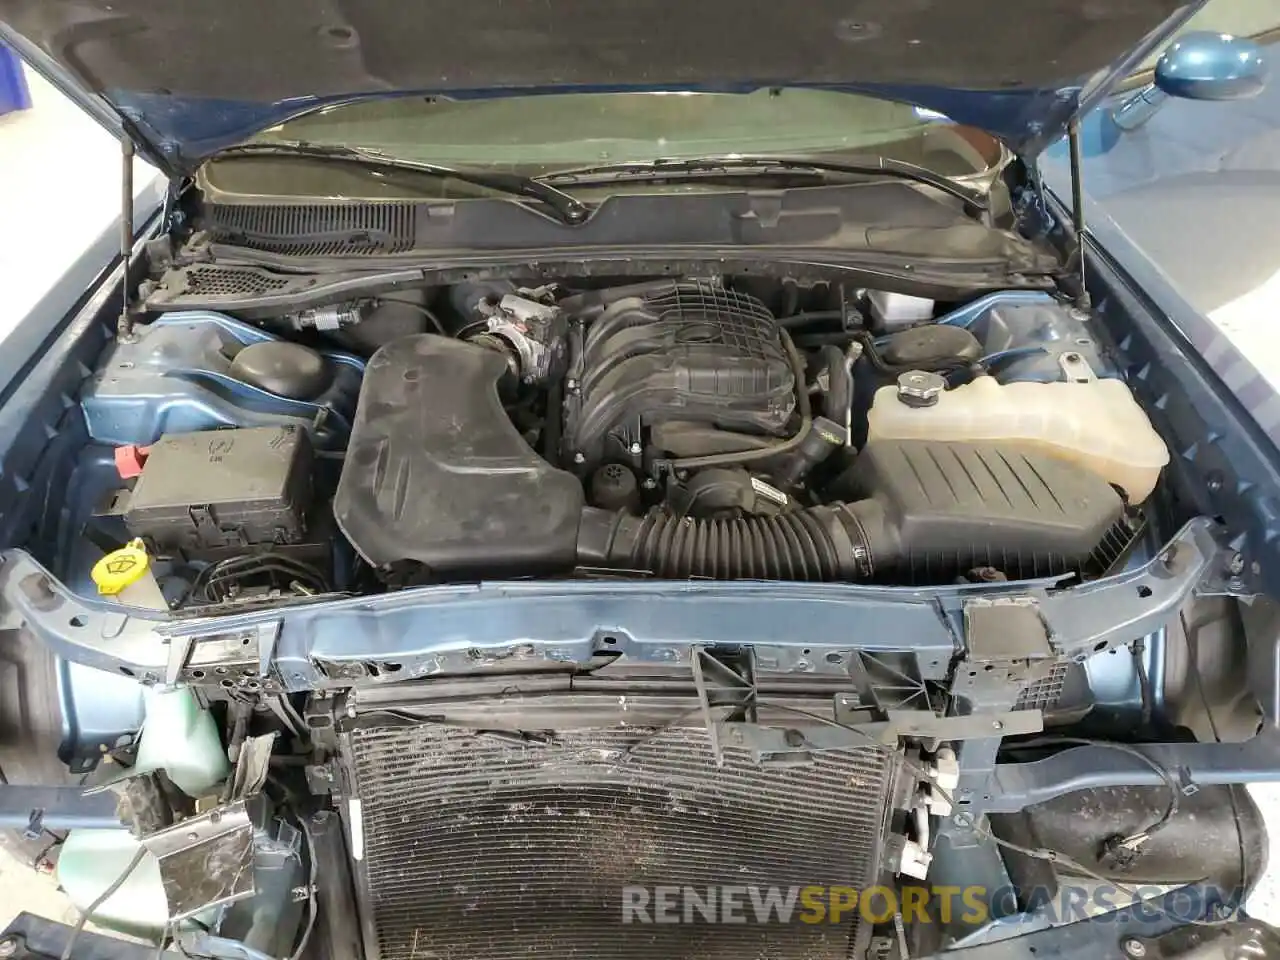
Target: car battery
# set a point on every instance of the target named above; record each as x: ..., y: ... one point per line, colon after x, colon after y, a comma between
x: 207, y: 491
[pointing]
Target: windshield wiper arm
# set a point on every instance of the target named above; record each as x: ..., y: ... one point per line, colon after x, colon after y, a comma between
x: 866, y: 166
x: 566, y: 208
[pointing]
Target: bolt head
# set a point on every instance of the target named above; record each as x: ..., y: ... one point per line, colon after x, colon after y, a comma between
x: 635, y: 449
x: 1235, y: 565
x: 579, y: 458
x: 1134, y: 947
x: 963, y: 819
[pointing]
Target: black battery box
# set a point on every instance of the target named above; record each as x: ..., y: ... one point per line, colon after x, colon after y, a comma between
x: 214, y: 489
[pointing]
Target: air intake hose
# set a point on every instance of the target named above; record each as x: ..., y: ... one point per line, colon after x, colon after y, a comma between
x: 829, y: 542
x: 928, y: 511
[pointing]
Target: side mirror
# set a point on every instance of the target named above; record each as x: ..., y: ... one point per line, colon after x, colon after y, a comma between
x: 1198, y: 66
x: 1211, y: 66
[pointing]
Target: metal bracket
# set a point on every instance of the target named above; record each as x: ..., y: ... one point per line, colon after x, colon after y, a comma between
x: 1076, y: 368
x: 975, y: 726
x: 233, y: 661
x: 1019, y: 785
x: 723, y: 679
x: 456, y: 628
x: 205, y: 861
x: 89, y: 631
x: 1116, y: 610
x: 774, y: 740
x: 252, y: 767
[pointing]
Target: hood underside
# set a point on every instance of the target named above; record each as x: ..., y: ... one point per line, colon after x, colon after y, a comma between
x: 192, y: 76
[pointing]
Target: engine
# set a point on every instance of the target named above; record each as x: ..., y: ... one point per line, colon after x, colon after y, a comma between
x: 671, y: 428
x: 696, y: 441
x: 684, y: 368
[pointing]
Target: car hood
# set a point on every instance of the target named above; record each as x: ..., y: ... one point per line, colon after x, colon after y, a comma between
x: 192, y: 76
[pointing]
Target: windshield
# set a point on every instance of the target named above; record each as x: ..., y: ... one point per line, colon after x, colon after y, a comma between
x: 547, y: 132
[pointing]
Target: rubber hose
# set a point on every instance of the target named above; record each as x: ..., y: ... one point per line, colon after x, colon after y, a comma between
x: 824, y: 543
x: 839, y: 399
x: 882, y: 366
x: 589, y: 304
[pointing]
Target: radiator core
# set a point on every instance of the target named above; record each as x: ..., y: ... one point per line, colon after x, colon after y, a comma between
x: 485, y: 847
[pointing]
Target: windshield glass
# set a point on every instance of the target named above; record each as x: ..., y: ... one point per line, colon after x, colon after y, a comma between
x: 547, y: 132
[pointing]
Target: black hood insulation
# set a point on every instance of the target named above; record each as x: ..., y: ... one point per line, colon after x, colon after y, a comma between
x: 244, y: 65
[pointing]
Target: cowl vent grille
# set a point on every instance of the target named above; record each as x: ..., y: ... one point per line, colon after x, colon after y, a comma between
x: 315, y: 230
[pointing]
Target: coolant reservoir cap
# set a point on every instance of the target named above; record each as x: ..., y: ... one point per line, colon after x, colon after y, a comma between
x: 120, y: 568
x: 919, y: 388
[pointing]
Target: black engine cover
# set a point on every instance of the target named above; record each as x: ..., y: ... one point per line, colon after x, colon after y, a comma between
x: 437, y: 475
x: 689, y: 351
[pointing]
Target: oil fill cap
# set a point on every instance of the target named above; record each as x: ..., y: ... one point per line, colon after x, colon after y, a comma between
x: 120, y: 568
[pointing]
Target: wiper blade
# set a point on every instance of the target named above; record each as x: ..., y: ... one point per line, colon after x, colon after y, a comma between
x: 566, y: 208
x: 866, y: 166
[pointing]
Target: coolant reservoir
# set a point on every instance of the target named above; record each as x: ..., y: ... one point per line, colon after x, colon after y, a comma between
x: 1096, y: 423
x: 181, y: 738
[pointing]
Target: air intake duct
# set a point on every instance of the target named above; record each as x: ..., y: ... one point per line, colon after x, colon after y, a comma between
x: 929, y: 510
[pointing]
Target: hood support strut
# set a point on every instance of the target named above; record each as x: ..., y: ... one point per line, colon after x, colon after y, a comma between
x: 1083, y: 300
x: 124, y: 326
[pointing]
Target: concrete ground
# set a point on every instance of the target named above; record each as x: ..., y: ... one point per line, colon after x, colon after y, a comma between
x: 22, y: 890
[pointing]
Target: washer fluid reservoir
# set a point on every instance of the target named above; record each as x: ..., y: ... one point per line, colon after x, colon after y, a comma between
x: 1095, y: 423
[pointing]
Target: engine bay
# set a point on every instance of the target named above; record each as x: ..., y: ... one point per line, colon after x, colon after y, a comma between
x: 468, y: 512
x: 720, y: 428
x: 408, y: 551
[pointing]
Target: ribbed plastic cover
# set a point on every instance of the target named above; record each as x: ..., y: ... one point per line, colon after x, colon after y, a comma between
x: 482, y: 848
x: 691, y: 352
x: 315, y: 229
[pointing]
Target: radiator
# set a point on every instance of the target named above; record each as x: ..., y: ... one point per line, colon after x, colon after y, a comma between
x: 478, y: 847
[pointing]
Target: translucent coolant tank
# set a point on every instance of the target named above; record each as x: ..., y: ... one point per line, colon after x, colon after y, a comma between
x: 1095, y: 423
x: 181, y: 738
